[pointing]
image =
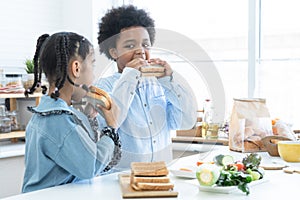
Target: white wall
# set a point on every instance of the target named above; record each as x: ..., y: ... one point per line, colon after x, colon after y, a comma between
x: 22, y: 22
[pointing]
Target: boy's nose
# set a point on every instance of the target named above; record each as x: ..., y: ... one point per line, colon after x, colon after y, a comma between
x: 139, y: 53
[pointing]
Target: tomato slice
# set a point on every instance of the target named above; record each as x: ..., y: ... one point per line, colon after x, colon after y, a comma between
x: 202, y: 162
x: 199, y: 163
x: 239, y: 166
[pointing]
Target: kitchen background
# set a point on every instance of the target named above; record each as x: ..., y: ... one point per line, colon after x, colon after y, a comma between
x: 254, y: 44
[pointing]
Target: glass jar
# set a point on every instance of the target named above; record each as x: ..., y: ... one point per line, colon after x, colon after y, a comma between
x: 13, y: 80
x: 14, y: 120
x: 5, y: 124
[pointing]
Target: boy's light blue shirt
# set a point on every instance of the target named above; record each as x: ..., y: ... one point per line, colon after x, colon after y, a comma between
x: 150, y: 108
x: 59, y: 148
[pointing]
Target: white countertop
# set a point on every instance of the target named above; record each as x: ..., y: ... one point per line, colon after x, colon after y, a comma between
x: 279, y: 185
x: 8, y: 149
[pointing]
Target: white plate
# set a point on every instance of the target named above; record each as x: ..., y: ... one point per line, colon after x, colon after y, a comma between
x: 229, y: 189
x: 184, y: 173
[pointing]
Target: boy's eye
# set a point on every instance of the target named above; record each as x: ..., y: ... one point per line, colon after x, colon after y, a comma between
x: 129, y: 46
x: 146, y: 45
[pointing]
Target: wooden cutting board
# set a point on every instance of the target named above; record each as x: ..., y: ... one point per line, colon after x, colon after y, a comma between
x: 128, y: 192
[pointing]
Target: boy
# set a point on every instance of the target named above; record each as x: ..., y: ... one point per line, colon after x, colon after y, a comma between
x: 150, y: 106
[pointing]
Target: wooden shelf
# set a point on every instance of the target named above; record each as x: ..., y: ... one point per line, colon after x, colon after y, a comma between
x: 222, y: 141
x: 12, y: 135
x: 19, y: 95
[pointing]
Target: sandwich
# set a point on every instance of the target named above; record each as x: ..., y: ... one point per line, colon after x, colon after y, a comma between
x: 150, y: 176
x: 153, y: 70
x: 97, y: 96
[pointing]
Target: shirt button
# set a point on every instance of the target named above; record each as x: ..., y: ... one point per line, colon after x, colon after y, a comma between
x: 137, y: 77
x: 154, y: 141
x: 131, y: 93
x: 145, y: 105
x: 150, y: 123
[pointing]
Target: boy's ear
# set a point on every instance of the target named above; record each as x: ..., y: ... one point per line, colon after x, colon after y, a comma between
x: 75, y: 68
x: 113, y: 53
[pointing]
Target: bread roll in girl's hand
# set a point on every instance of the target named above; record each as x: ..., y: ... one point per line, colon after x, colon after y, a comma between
x: 98, y: 96
x: 153, y: 70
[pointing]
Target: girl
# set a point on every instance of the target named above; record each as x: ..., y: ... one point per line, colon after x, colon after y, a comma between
x: 60, y: 143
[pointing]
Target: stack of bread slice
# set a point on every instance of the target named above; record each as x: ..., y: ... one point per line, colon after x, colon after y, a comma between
x: 150, y: 176
x: 153, y: 70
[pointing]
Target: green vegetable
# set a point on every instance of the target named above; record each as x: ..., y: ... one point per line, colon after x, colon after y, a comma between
x: 235, y: 178
x: 255, y: 175
x: 252, y: 161
x: 232, y: 173
x: 223, y: 160
x: 261, y: 172
x: 208, y: 174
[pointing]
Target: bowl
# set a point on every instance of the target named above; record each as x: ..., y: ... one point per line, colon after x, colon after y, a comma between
x: 270, y: 143
x: 289, y: 150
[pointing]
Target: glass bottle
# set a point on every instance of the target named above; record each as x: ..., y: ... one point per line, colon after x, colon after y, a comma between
x: 207, y: 116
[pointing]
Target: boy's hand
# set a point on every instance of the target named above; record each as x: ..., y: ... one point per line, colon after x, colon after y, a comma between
x: 157, y: 61
x: 137, y: 63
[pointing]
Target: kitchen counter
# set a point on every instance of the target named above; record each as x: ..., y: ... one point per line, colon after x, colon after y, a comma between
x: 278, y: 184
x: 9, y: 149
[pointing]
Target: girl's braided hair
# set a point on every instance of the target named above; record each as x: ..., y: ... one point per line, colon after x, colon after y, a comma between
x: 52, y: 57
x: 121, y: 18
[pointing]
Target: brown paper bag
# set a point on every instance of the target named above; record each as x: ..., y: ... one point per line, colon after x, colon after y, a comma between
x: 250, y: 122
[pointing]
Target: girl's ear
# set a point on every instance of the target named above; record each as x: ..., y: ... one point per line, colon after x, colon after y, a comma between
x: 113, y: 53
x: 75, y: 68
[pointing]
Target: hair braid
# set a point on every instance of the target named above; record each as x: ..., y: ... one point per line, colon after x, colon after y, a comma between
x: 37, y: 68
x: 58, y: 67
x: 64, y: 59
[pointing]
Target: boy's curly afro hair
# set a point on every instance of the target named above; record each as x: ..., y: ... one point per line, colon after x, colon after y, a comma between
x: 119, y: 18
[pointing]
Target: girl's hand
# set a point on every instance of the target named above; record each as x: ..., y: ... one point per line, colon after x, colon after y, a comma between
x: 157, y: 61
x: 111, y: 115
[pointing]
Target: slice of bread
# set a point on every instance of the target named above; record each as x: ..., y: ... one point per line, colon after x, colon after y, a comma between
x: 150, y: 176
x: 149, y: 179
x: 153, y: 186
x: 149, y: 168
x: 153, y: 68
x: 157, y: 71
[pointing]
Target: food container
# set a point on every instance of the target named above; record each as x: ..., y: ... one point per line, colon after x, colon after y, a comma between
x: 5, y: 126
x: 13, y: 80
x: 271, y: 144
x: 14, y: 119
x: 250, y: 122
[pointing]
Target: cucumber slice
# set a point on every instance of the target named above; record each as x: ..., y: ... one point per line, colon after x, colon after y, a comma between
x: 224, y: 160
x: 227, y: 160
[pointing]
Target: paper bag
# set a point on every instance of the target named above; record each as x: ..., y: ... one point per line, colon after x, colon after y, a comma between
x: 250, y: 122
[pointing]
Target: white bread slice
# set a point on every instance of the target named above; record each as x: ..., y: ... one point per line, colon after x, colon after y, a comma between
x: 153, y: 186
x: 153, y: 68
x: 149, y: 169
x: 156, y: 74
x: 148, y: 179
x: 153, y: 71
